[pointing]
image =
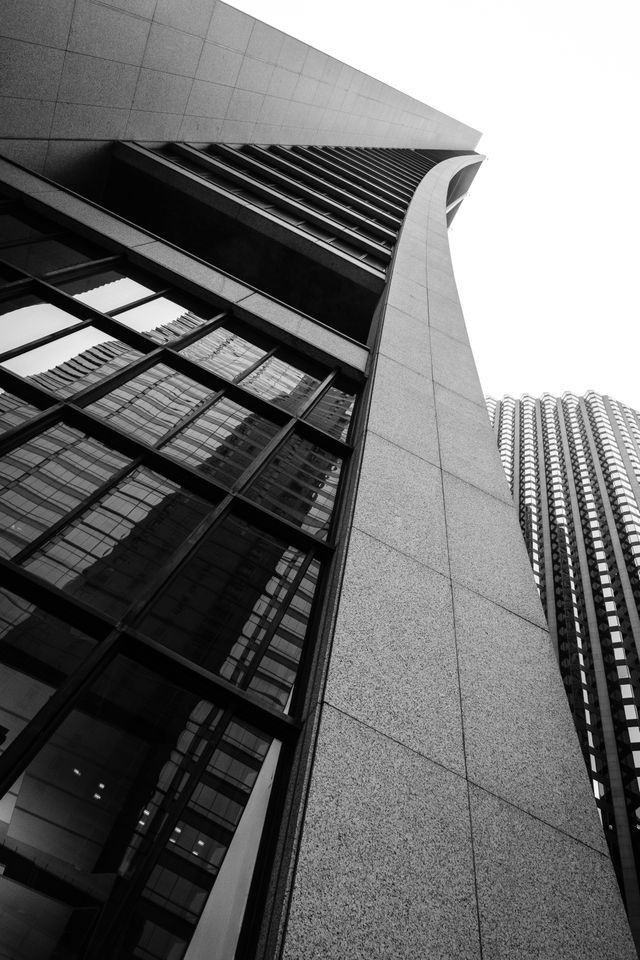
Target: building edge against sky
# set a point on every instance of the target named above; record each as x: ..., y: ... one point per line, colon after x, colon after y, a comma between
x: 437, y: 767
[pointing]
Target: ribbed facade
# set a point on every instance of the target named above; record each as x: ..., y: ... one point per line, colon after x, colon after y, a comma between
x: 573, y: 465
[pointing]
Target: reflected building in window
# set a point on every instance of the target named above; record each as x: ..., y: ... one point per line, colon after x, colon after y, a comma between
x: 573, y: 465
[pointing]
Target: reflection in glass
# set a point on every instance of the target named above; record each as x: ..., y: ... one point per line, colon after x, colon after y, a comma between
x: 44, y: 256
x: 332, y: 412
x: 272, y: 673
x: 45, y: 478
x: 151, y: 404
x: 22, y: 697
x: 14, y: 410
x: 138, y: 760
x: 223, y: 441
x: 114, y: 550
x: 282, y: 383
x: 236, y: 587
x: 185, y: 872
x: 108, y: 289
x: 163, y: 319
x: 42, y: 644
x: 28, y: 318
x: 300, y: 484
x: 224, y: 352
x: 73, y: 363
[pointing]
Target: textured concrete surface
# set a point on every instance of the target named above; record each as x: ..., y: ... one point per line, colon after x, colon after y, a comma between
x: 540, y: 893
x: 520, y: 741
x: 402, y: 409
x: 454, y: 367
x: 386, y: 667
x: 386, y: 865
x: 400, y: 503
x: 467, y: 446
x: 541, y: 885
x: 405, y: 339
x: 486, y: 549
x: 202, y: 71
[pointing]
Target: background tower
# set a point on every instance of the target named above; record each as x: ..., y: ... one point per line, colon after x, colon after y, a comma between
x: 573, y: 464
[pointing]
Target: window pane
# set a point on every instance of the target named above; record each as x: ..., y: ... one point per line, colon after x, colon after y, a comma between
x: 282, y: 383
x: 223, y: 441
x: 224, y: 352
x: 109, y: 289
x: 164, y: 319
x: 236, y: 586
x: 28, y: 318
x: 44, y: 256
x: 300, y: 484
x: 113, y: 551
x: 14, y: 410
x: 36, y: 641
x: 32, y: 923
x: 111, y: 762
x: 151, y: 404
x: 16, y: 228
x: 45, y: 478
x: 73, y: 363
x: 332, y: 412
x: 143, y: 785
x: 272, y: 672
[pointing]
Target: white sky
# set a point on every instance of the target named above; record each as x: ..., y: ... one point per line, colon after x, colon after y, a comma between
x: 545, y: 247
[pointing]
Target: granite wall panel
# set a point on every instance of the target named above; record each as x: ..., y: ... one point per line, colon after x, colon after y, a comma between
x: 482, y: 710
x: 110, y: 49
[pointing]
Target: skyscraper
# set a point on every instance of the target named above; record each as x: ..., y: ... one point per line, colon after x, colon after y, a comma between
x: 573, y: 465
x: 262, y: 572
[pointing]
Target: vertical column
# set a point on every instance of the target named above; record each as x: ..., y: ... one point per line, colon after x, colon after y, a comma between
x: 447, y: 770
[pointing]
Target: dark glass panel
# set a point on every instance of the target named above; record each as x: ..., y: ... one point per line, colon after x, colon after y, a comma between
x: 27, y: 318
x: 32, y: 923
x: 151, y: 404
x: 332, y: 412
x: 300, y: 484
x: 143, y: 782
x: 73, y: 363
x: 44, y: 256
x: 224, y: 352
x: 273, y: 674
x: 282, y: 383
x: 22, y: 697
x: 165, y: 319
x: 9, y: 275
x: 120, y: 752
x: 37, y: 642
x: 223, y: 441
x: 223, y: 605
x: 184, y: 874
x: 14, y: 410
x: 115, y: 549
x: 45, y: 478
x: 18, y: 228
x: 155, y: 943
x: 110, y: 289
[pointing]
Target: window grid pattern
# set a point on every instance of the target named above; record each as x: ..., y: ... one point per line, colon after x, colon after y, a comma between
x: 170, y: 488
x: 343, y: 197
